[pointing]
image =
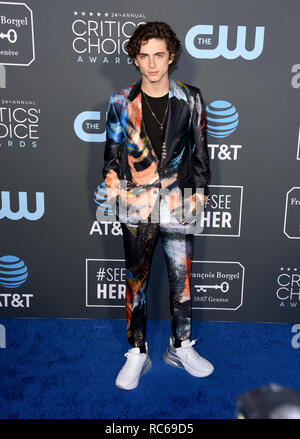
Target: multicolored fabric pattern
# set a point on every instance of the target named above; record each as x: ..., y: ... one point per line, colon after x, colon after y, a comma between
x: 139, y: 244
x: 186, y: 164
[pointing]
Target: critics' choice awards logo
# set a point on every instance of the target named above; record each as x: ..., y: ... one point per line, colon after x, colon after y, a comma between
x: 291, y: 226
x: 105, y: 282
x: 17, y: 38
x: 102, y: 36
x: 13, y: 274
x: 210, y: 42
x: 23, y: 210
x: 288, y: 287
x: 217, y: 285
x: 222, y: 216
x: 222, y: 120
x: 19, y: 124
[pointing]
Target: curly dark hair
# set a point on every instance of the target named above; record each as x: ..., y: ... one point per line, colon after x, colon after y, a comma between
x: 153, y: 29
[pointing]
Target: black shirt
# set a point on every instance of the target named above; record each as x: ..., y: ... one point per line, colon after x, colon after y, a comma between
x: 158, y: 106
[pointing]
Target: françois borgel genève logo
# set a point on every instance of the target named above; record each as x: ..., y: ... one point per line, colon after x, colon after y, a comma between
x: 16, y: 34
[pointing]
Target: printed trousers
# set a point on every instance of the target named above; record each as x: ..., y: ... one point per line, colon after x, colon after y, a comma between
x: 139, y: 243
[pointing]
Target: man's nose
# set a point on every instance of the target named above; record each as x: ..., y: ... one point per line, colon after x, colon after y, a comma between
x: 151, y: 62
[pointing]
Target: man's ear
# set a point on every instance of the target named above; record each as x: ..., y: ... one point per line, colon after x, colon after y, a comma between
x: 171, y: 58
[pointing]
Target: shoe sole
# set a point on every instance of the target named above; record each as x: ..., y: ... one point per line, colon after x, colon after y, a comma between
x: 173, y: 360
x: 146, y: 367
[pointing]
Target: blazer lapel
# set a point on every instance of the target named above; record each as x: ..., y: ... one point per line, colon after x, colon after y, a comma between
x: 176, y: 113
x: 176, y: 116
x: 134, y: 107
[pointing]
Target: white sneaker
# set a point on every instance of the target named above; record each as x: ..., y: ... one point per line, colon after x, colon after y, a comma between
x: 187, y: 358
x: 136, y: 365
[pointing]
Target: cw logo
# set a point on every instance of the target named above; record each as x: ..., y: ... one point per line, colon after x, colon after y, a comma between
x: 222, y: 49
x: 91, y: 121
x: 6, y: 212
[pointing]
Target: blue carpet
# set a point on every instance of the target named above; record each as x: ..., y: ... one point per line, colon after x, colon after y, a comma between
x: 66, y: 368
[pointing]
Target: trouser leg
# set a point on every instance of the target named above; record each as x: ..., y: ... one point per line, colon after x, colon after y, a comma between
x: 139, y: 244
x: 178, y: 249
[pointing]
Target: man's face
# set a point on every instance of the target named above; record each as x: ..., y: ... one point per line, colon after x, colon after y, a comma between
x: 153, y: 60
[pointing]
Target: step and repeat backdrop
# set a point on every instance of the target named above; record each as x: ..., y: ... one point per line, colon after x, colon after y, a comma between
x: 59, y: 63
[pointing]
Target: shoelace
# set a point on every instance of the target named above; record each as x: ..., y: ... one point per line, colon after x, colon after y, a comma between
x: 189, y: 350
x: 190, y: 344
x: 133, y: 355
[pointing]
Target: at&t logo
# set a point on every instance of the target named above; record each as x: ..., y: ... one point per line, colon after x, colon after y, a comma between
x: 13, y: 274
x: 13, y: 271
x: 222, y: 121
x: 198, y: 36
x: 222, y: 118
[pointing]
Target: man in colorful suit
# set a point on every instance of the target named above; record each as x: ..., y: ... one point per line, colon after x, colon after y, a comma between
x: 156, y: 175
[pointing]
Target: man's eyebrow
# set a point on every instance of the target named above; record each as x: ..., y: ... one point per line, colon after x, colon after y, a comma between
x: 157, y: 53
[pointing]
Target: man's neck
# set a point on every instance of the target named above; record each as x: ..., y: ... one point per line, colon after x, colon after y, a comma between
x: 156, y: 89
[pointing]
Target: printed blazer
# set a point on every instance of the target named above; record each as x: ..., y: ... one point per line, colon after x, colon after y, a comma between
x: 135, y: 175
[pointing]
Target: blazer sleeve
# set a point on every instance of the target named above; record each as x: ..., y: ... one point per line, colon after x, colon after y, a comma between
x: 113, y: 149
x: 200, y: 157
